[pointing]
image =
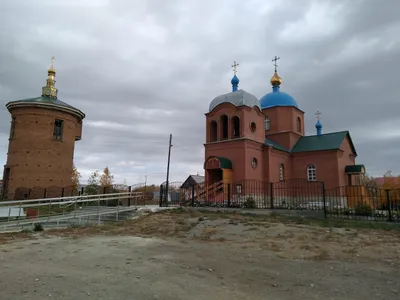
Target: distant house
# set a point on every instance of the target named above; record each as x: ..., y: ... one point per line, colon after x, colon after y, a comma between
x: 193, y: 186
x: 192, y: 180
x: 394, y: 181
x: 156, y: 195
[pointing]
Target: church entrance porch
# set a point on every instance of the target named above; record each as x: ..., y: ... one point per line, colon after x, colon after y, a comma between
x: 215, y: 175
x: 218, y: 169
x: 218, y: 174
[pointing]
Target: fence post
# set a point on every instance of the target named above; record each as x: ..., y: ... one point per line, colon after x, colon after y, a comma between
x: 161, y: 194
x: 324, y: 198
x: 265, y: 193
x: 389, y: 204
x: 130, y: 194
x: 82, y: 190
x: 192, y: 195
x: 229, y: 195
x: 271, y: 194
x: 166, y: 194
x: 62, y: 192
x: 44, y: 194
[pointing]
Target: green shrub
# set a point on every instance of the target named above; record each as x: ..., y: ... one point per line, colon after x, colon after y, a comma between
x: 38, y: 227
x: 363, y: 210
x: 250, y: 203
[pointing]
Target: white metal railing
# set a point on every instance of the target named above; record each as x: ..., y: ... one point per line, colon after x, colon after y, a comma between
x: 19, y: 214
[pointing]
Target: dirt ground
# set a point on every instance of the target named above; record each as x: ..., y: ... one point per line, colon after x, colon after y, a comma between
x: 203, y: 255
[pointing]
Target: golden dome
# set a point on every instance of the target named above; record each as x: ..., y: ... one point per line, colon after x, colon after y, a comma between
x: 275, y: 79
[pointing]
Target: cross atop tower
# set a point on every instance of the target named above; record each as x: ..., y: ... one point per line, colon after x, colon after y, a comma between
x: 52, y: 61
x: 318, y: 113
x: 275, y: 60
x: 234, y: 67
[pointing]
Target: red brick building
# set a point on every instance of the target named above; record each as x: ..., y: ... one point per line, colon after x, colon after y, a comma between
x: 264, y: 140
x: 41, y: 143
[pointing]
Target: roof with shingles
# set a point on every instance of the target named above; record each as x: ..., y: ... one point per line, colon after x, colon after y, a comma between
x: 46, y: 101
x: 327, y: 141
x: 192, y: 180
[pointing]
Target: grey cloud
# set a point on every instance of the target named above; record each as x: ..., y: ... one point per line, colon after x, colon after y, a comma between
x: 122, y: 61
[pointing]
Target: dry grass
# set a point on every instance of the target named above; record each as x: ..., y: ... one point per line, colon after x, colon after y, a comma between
x: 286, y: 237
x: 12, y: 236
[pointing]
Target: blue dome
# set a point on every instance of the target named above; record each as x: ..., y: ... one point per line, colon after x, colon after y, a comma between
x: 235, y: 80
x: 318, y: 125
x: 277, y: 98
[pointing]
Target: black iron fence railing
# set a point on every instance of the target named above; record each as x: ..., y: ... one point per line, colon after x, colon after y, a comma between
x: 346, y: 202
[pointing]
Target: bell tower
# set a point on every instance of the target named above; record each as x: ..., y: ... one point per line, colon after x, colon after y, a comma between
x: 284, y: 121
x: 235, y: 136
x: 41, y: 144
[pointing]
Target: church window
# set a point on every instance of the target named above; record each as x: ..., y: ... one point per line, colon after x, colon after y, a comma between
x: 12, y: 128
x: 254, y: 162
x: 266, y: 123
x: 235, y: 127
x: 224, y: 127
x: 58, y: 129
x: 213, y: 131
x: 253, y: 126
x: 311, y: 173
x: 281, y: 173
x: 298, y: 125
x: 238, y: 189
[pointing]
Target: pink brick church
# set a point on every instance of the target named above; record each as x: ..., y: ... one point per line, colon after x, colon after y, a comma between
x: 264, y: 140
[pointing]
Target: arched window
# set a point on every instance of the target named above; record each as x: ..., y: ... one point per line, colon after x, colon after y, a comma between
x: 254, y: 162
x: 235, y: 127
x: 266, y: 123
x: 298, y: 124
x: 224, y: 127
x: 311, y: 173
x: 213, y: 131
x: 281, y: 173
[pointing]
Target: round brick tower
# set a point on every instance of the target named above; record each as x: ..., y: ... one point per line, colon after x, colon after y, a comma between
x: 42, y: 141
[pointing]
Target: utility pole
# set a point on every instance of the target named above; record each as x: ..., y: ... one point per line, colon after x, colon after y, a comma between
x: 169, y: 159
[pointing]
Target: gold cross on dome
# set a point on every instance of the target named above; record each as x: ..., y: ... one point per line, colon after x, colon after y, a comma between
x: 275, y: 60
x: 52, y: 61
x: 234, y: 67
x: 318, y: 113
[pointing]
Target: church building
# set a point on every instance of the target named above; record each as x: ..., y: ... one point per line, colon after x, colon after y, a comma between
x: 264, y: 140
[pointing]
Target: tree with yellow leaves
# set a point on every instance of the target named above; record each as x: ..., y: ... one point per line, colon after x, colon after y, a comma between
x: 390, y: 181
x: 76, y: 176
x: 106, y: 179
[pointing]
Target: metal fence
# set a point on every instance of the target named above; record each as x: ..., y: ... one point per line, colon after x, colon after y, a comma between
x: 67, y: 211
x: 347, y: 202
x: 39, y: 192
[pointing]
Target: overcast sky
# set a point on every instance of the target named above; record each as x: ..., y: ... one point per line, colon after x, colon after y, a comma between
x: 141, y: 70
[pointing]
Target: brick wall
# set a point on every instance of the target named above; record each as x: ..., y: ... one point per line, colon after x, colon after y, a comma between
x: 34, y: 157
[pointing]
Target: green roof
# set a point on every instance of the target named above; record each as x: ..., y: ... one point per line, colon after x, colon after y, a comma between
x: 355, y: 169
x: 269, y: 142
x: 328, y: 141
x: 224, y: 162
x: 46, y: 102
